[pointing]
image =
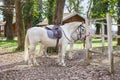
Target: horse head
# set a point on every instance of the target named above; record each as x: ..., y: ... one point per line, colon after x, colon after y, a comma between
x: 79, y: 33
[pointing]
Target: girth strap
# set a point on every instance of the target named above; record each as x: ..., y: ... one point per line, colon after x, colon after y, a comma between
x: 55, y: 33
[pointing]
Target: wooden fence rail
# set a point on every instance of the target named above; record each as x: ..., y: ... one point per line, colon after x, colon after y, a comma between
x: 109, y: 35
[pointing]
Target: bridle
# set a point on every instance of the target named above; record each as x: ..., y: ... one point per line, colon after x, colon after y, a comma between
x: 79, y: 29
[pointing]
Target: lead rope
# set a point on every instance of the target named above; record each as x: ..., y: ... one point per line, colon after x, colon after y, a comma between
x: 66, y: 36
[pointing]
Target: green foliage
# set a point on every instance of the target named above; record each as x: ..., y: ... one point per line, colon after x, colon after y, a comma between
x: 112, y: 6
x: 28, y: 9
x: 37, y: 12
x: 100, y: 8
x: 10, y: 45
x: 74, y: 6
x: 49, y: 8
x: 33, y: 10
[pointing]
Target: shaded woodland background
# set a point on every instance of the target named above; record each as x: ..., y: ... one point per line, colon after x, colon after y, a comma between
x: 28, y: 13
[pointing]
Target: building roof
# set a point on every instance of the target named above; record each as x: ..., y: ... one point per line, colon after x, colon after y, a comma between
x: 45, y: 22
x: 65, y: 17
x: 69, y: 15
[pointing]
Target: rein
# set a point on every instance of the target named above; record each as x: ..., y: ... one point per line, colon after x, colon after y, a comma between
x: 79, y: 27
x: 80, y: 34
x: 72, y: 33
x: 66, y: 36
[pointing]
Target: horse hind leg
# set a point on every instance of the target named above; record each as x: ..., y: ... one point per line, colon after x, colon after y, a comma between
x: 43, y: 50
x: 32, y: 60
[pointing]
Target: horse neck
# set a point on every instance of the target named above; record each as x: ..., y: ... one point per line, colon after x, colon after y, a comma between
x: 71, y: 28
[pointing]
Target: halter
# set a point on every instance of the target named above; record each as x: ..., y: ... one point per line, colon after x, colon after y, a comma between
x: 79, y: 36
x: 80, y: 33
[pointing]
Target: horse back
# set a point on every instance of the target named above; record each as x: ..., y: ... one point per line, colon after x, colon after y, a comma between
x: 36, y: 33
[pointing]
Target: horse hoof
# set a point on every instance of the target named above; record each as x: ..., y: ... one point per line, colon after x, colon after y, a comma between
x: 30, y: 65
x: 62, y: 64
x: 44, y: 56
x: 70, y: 58
x: 37, y: 64
x: 58, y: 61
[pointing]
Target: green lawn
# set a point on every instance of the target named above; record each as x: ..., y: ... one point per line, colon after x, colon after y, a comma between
x: 97, y: 43
x: 8, y: 45
x: 12, y: 45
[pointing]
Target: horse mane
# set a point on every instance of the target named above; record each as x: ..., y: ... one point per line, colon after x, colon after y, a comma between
x: 75, y: 23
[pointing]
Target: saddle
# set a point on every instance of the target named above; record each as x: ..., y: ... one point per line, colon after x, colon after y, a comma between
x: 54, y: 32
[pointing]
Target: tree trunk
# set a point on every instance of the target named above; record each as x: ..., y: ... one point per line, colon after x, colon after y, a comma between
x: 28, y: 23
x: 28, y: 11
x: 8, y: 26
x: 20, y: 24
x: 118, y: 40
x: 58, y: 15
x: 57, y: 19
x: 8, y: 14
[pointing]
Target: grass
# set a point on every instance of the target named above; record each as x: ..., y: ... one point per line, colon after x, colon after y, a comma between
x: 8, y: 45
x: 97, y: 43
x: 11, y: 45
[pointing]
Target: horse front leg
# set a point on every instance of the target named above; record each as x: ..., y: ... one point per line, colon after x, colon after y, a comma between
x: 70, y: 51
x: 62, y: 55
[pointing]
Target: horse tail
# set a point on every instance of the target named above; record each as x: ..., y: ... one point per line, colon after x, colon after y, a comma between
x: 26, y: 54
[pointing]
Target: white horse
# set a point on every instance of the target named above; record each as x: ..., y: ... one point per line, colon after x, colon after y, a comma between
x: 75, y: 36
x: 36, y: 35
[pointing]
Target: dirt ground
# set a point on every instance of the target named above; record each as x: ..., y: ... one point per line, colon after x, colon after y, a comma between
x: 12, y: 67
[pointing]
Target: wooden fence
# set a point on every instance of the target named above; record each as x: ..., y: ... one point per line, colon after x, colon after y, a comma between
x: 109, y: 36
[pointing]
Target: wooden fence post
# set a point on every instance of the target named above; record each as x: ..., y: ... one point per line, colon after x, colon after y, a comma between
x: 103, y: 37
x: 110, y: 48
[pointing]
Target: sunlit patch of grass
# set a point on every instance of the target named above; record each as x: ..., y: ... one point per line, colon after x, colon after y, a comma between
x: 116, y: 47
x: 97, y: 43
x: 11, y: 45
x: 8, y: 45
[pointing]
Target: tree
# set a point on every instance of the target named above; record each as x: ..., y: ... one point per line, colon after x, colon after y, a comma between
x: 32, y: 12
x: 28, y: 11
x: 20, y: 24
x: 74, y: 6
x: 57, y: 18
x: 89, y: 9
x: 99, y: 10
x: 37, y: 15
x: 118, y: 13
x: 50, y: 10
x: 8, y: 17
x: 58, y: 15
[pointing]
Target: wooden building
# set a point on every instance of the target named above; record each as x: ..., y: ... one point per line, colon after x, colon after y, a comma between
x: 67, y: 17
